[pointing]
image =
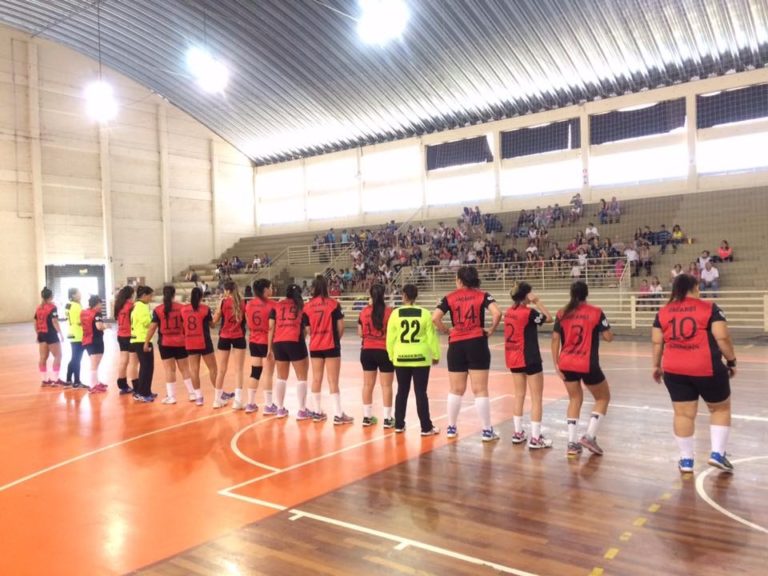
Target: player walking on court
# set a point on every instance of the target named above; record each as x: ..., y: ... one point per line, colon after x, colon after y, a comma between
x: 690, y: 339
x: 372, y: 329
x: 197, y: 319
x: 257, y: 313
x: 579, y: 327
x: 326, y: 327
x: 523, y: 358
x: 468, y: 353
x: 413, y: 347
x: 49, y: 338
x: 231, y: 313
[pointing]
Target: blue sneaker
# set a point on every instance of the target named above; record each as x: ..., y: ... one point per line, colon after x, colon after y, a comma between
x: 489, y: 435
x: 227, y: 395
x: 124, y: 391
x: 720, y: 461
x: 451, y: 432
x: 685, y: 465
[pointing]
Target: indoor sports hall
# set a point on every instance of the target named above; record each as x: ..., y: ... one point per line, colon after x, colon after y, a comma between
x: 221, y: 220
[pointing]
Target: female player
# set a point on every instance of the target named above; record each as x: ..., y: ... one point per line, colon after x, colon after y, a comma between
x: 690, y: 339
x: 141, y: 318
x: 257, y: 313
x: 326, y: 327
x: 372, y: 329
x: 413, y: 346
x: 128, y: 363
x: 575, y: 343
x: 231, y: 313
x: 468, y: 352
x: 171, y: 343
x: 48, y: 337
x: 521, y: 351
x: 286, y: 343
x: 75, y: 336
x: 197, y: 319
x: 93, y: 340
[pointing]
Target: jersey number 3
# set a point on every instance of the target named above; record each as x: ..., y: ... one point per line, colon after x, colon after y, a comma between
x: 407, y: 327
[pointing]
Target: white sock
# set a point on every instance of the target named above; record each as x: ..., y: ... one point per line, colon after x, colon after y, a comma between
x: 217, y: 392
x: 572, y: 429
x: 279, y: 389
x: 238, y: 394
x: 94, y: 377
x: 188, y: 385
x: 337, y: 404
x: 251, y: 395
x: 170, y: 389
x: 518, y: 421
x: 388, y: 412
x: 594, y: 424
x: 318, y: 397
x: 198, y: 393
x: 367, y: 410
x: 301, y: 394
x: 268, y: 397
x: 535, y: 429
x: 483, y: 406
x: 719, y: 436
x: 685, y: 444
x: 454, y: 406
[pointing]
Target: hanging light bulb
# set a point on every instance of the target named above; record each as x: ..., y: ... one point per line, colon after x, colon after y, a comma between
x: 100, y: 101
x: 382, y: 20
x: 211, y: 75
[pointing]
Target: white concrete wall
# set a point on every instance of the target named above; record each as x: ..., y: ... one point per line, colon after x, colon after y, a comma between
x: 125, y: 170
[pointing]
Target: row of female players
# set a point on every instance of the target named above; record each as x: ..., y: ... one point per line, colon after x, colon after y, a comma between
x: 690, y: 341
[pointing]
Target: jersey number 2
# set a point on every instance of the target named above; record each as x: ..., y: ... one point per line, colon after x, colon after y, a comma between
x: 407, y: 327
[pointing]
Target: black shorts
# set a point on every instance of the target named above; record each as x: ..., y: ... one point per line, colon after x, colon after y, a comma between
x: 289, y: 351
x: 95, y: 348
x: 528, y: 370
x: 712, y: 389
x: 590, y: 378
x: 472, y: 354
x: 124, y: 342
x: 204, y: 352
x: 172, y: 352
x: 229, y: 343
x: 330, y: 353
x: 48, y: 338
x: 258, y: 350
x: 373, y: 360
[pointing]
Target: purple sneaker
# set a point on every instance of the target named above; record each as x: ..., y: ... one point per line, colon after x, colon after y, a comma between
x: 319, y: 416
x: 343, y: 419
x: 251, y: 408
x: 199, y: 401
x: 282, y: 413
x: 227, y: 395
x: 590, y: 443
x: 270, y: 410
x: 303, y: 414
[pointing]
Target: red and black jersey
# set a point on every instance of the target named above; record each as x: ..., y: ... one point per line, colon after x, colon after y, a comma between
x: 580, y: 338
x: 521, y: 337
x: 44, y: 316
x: 373, y: 338
x: 467, y: 307
x: 690, y: 349
x: 88, y: 318
x: 170, y: 325
x: 289, y: 321
x: 257, y: 313
x: 124, y: 320
x: 322, y: 316
x: 197, y: 327
x: 231, y: 327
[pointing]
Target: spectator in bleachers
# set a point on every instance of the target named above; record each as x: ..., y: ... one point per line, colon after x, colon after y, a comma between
x: 643, y: 294
x: 656, y: 291
x: 614, y: 211
x: 703, y: 259
x: 344, y: 237
x: 577, y: 207
x: 675, y: 272
x: 633, y: 260
x: 644, y: 251
x: 602, y: 211
x: 591, y: 232
x: 724, y: 253
x: 710, y: 279
x: 693, y: 270
x: 662, y: 238
x: 557, y: 215
x: 678, y: 237
x: 204, y: 288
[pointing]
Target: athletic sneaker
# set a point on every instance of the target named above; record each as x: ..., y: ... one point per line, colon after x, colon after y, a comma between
x: 343, y: 419
x: 237, y: 405
x: 146, y: 399
x: 220, y: 404
x: 370, y: 421
x: 282, y: 413
x: 389, y: 423
x: 720, y: 461
x: 169, y: 400
x: 538, y: 443
x: 102, y: 387
x: 590, y: 443
x: 251, y: 408
x: 199, y: 401
x: 489, y: 435
x: 192, y: 397
x: 574, y: 448
x: 519, y: 437
x: 79, y: 386
x: 319, y: 417
x: 97, y: 390
x: 685, y: 465
x: 124, y: 391
x: 65, y: 384
x: 451, y: 432
x: 153, y: 395
x: 400, y: 430
x: 303, y: 414
x: 270, y: 410
x: 434, y: 432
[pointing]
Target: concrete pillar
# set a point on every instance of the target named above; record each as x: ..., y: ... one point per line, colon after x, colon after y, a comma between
x: 106, y: 211
x: 165, y: 200
x: 36, y: 162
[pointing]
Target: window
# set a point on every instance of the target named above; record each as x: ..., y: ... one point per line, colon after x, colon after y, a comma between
x: 402, y: 163
x: 542, y: 178
x: 332, y: 172
x: 646, y: 120
x: 731, y: 154
x: 732, y: 106
x: 468, y: 151
x: 332, y: 205
x: 281, y: 211
x: 392, y: 197
x: 280, y: 181
x: 564, y: 135
x: 458, y: 189
x: 659, y: 163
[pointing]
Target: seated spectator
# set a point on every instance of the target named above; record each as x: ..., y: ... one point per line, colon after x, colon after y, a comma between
x: 602, y: 212
x: 575, y: 271
x: 633, y: 260
x: 204, y: 288
x: 724, y: 253
x: 344, y: 237
x: 618, y: 268
x: 656, y: 291
x: 591, y: 232
x: 675, y: 272
x: 644, y: 251
x: 305, y: 291
x: 703, y: 259
x: 644, y: 294
x: 256, y: 264
x: 614, y: 211
x: 694, y: 270
x: 557, y: 215
x: 678, y: 237
x: 710, y: 279
x: 577, y: 207
x: 662, y: 238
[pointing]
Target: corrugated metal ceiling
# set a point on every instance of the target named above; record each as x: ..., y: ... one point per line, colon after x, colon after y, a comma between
x: 303, y: 83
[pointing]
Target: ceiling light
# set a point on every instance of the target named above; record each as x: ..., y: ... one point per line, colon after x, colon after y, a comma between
x: 211, y: 75
x: 100, y: 101
x: 382, y: 20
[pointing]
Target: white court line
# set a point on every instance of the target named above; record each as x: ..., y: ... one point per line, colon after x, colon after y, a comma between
x: 670, y: 411
x: 239, y: 453
x: 105, y: 448
x: 704, y: 496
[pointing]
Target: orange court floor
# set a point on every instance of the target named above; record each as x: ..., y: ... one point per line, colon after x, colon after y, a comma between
x: 99, y: 484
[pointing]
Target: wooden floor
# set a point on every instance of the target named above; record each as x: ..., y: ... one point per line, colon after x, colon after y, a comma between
x: 101, y: 485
